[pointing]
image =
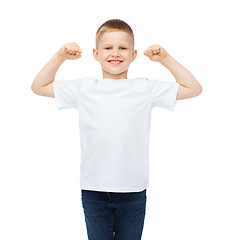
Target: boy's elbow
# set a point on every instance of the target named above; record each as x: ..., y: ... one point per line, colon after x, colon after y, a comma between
x: 34, y: 86
x: 196, y: 92
x: 33, y: 89
x: 199, y: 91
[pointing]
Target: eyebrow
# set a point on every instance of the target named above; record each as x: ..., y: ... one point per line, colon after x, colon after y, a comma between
x: 120, y: 45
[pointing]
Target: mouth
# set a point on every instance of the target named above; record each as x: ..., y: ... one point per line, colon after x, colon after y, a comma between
x: 115, y: 62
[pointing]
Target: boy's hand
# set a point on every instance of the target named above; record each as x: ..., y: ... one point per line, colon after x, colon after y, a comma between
x: 70, y: 51
x: 156, y: 53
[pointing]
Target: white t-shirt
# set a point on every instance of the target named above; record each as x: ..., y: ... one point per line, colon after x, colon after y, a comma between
x: 114, y: 126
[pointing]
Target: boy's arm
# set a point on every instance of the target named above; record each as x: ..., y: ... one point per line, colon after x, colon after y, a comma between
x: 43, y: 82
x: 189, y: 86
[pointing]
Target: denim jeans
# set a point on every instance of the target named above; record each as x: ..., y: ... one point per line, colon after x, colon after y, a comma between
x: 114, y: 216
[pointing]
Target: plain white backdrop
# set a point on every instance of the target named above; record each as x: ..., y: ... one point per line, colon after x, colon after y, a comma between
x: 188, y: 194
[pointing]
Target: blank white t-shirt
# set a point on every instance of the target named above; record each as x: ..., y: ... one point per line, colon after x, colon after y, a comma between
x: 114, y: 126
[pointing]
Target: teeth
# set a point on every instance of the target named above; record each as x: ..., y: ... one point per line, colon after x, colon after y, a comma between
x: 115, y: 61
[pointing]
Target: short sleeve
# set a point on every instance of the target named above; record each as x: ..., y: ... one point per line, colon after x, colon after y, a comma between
x: 66, y: 93
x: 163, y: 93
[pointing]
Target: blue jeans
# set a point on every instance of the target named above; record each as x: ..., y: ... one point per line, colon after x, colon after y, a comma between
x: 114, y: 216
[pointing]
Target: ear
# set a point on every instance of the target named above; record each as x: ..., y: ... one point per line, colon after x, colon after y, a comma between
x: 96, y: 54
x: 134, y: 55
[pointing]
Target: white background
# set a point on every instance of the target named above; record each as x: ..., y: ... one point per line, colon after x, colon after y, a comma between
x: 188, y: 194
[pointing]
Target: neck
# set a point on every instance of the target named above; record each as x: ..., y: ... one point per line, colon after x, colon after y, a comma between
x: 115, y: 76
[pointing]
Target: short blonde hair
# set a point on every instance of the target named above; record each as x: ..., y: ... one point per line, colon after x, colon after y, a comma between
x: 111, y: 26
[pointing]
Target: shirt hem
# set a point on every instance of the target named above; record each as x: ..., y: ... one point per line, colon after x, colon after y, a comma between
x: 104, y: 189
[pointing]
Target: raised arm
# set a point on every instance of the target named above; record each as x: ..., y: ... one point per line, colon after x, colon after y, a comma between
x: 43, y: 82
x: 189, y: 86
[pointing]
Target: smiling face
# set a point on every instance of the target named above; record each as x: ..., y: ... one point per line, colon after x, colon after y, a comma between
x: 115, y: 52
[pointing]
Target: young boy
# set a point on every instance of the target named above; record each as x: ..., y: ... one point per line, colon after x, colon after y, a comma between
x: 114, y: 124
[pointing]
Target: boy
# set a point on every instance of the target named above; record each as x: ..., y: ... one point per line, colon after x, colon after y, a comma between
x: 114, y: 123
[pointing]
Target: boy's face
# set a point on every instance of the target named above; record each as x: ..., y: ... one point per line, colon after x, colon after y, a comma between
x: 115, y: 53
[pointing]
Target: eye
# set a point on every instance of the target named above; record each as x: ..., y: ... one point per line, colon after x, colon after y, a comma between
x: 123, y: 48
x: 108, y: 48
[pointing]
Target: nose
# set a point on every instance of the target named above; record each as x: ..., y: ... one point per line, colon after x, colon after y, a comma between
x: 115, y: 52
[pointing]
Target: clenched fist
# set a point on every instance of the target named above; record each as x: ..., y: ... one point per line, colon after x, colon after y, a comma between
x: 155, y: 53
x: 70, y: 51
